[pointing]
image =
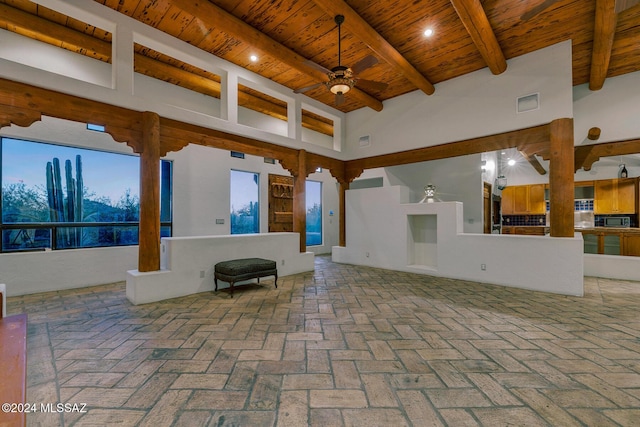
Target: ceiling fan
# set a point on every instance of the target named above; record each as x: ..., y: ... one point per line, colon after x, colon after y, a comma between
x: 342, y: 79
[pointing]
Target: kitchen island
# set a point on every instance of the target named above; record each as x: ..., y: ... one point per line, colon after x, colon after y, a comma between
x: 611, y: 240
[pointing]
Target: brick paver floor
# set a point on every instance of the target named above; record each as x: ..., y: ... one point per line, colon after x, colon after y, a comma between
x: 341, y: 346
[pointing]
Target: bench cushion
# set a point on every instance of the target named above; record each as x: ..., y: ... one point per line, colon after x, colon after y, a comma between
x: 241, y: 267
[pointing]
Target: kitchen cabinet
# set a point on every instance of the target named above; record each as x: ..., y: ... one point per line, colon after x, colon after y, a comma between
x: 612, y: 241
x: 615, y: 196
x: 525, y: 230
x: 523, y: 200
x: 631, y: 244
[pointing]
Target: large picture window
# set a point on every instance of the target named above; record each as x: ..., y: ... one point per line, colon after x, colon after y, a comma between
x: 245, y: 206
x: 314, y: 213
x: 59, y: 197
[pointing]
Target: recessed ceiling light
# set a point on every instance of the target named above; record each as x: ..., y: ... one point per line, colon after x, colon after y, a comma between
x: 511, y: 162
x: 428, y: 32
x: 253, y: 58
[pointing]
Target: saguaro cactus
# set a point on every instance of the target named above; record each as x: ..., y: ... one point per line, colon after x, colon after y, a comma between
x: 72, y: 210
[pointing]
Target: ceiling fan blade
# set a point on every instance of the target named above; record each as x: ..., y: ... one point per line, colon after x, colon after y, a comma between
x: 622, y: 5
x: 371, y: 85
x: 339, y: 98
x: 537, y: 9
x: 364, y: 63
x: 308, y: 88
x: 318, y: 67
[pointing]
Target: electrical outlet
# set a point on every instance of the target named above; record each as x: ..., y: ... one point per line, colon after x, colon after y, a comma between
x: 202, y: 274
x: 483, y: 267
x: 282, y: 262
x: 366, y: 254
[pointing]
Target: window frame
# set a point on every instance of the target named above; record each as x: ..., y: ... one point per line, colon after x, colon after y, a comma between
x: 258, y: 210
x: 321, y: 213
x: 54, y: 227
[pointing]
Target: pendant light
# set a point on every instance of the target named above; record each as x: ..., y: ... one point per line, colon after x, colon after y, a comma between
x: 623, y: 171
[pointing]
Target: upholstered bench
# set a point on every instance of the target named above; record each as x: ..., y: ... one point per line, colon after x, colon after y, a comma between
x: 236, y: 270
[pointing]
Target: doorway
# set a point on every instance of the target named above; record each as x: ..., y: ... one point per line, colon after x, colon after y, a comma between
x: 486, y: 208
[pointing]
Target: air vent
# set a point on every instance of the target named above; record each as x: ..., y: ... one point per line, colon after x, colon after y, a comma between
x: 528, y: 103
x: 364, y: 141
x: 237, y: 155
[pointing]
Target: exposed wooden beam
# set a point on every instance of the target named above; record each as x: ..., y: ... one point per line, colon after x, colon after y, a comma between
x: 475, y: 20
x: 594, y: 133
x: 533, y: 162
x: 214, y: 16
x: 586, y: 155
x: 536, y: 139
x: 369, y: 36
x: 23, y: 100
x: 99, y: 49
x: 53, y: 33
x: 561, y: 186
x: 149, y: 227
x: 603, y: 35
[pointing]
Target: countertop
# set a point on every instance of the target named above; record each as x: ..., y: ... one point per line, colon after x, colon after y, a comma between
x: 627, y: 230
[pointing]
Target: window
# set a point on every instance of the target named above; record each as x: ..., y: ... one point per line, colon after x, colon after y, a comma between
x: 61, y: 197
x: 314, y: 213
x: 245, y: 207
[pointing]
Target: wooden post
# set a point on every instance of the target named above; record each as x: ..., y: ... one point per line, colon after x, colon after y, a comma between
x: 149, y: 237
x: 300, y: 200
x: 561, y: 177
x: 344, y: 186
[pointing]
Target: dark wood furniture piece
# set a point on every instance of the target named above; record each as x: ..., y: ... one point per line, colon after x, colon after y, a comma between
x: 13, y: 369
x: 237, y: 270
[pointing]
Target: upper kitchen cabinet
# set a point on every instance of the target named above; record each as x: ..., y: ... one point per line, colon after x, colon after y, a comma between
x: 523, y: 200
x: 615, y: 196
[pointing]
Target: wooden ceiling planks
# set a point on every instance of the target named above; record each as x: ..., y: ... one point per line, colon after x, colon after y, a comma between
x: 303, y: 27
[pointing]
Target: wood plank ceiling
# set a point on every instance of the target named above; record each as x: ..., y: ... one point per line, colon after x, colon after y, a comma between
x: 296, y: 39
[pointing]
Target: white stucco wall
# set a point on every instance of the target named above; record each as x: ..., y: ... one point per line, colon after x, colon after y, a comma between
x: 187, y: 263
x: 473, y: 105
x: 54, y: 68
x: 201, y: 194
x: 381, y: 234
x: 456, y: 179
x: 33, y: 272
x: 470, y: 106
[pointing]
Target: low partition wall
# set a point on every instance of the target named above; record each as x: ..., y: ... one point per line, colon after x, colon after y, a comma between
x: 44, y: 271
x: 427, y: 238
x: 612, y: 266
x: 187, y: 263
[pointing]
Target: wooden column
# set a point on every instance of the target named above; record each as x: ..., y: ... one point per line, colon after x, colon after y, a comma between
x: 344, y: 186
x: 149, y: 249
x: 561, y: 177
x: 300, y: 200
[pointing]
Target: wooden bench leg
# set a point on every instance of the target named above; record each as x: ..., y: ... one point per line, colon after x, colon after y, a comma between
x: 215, y: 280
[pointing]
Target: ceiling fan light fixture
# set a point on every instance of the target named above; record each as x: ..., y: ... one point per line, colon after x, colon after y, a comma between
x: 341, y: 85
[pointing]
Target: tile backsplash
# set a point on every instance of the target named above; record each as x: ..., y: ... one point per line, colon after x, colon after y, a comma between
x: 523, y: 220
x: 579, y: 205
x: 599, y: 220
